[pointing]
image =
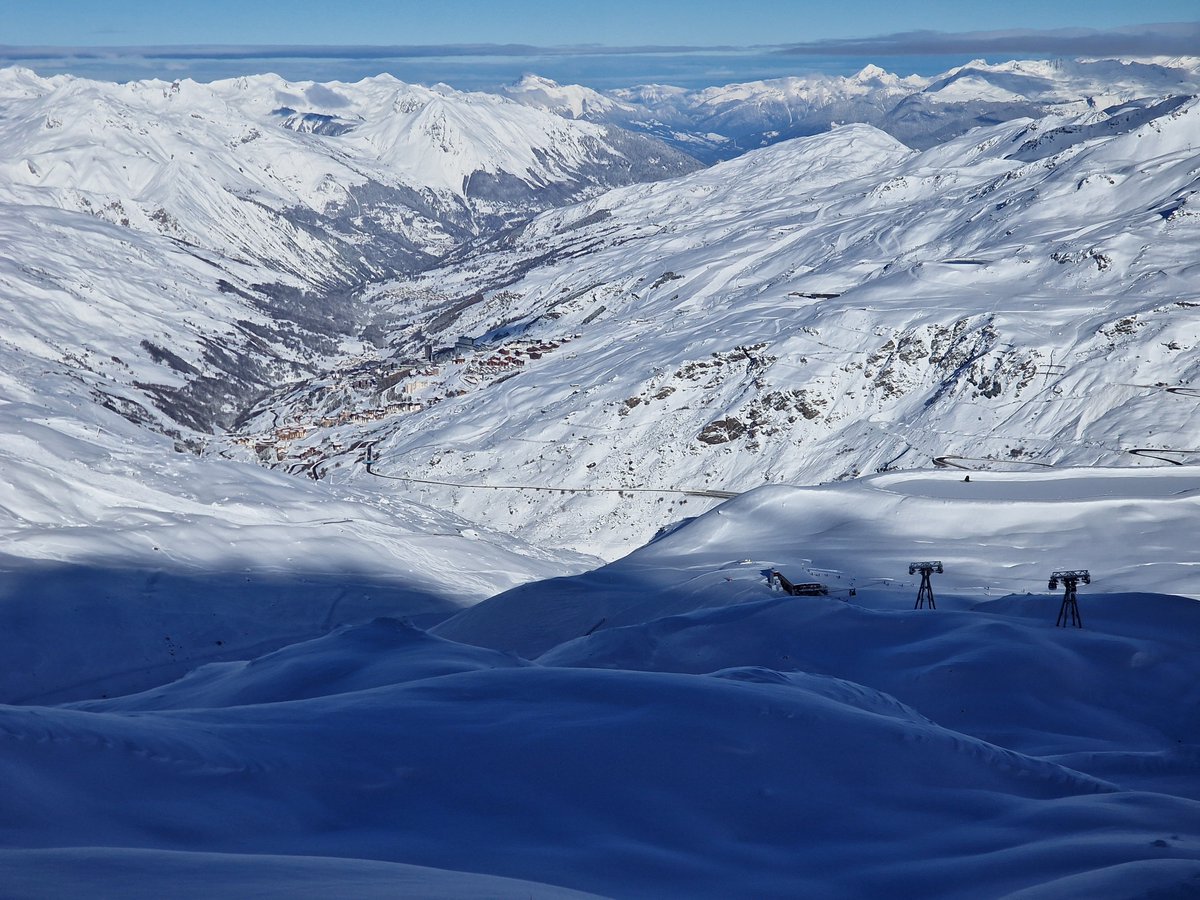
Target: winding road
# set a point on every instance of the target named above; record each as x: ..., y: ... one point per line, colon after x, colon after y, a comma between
x: 1157, y: 453
x: 949, y: 462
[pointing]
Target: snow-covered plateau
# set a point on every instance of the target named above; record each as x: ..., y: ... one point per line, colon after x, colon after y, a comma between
x: 396, y: 485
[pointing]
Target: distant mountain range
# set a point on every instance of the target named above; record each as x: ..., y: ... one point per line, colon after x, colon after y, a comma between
x: 257, y: 207
x: 721, y: 122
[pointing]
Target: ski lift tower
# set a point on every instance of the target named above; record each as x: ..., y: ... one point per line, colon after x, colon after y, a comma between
x: 1070, y: 580
x: 926, y: 590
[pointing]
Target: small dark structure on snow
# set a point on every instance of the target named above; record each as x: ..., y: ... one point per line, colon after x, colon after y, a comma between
x: 811, y: 589
x: 1070, y: 579
x: 925, y: 592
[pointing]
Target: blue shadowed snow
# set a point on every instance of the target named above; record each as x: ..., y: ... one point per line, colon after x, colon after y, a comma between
x: 715, y: 739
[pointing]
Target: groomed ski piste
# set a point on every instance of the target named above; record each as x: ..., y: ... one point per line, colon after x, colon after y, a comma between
x: 668, y: 725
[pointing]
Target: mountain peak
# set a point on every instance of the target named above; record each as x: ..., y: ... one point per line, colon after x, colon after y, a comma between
x: 871, y: 72
x: 572, y: 101
x: 533, y: 80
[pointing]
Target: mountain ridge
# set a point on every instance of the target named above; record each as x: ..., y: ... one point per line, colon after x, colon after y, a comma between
x: 289, y: 223
x: 922, y: 111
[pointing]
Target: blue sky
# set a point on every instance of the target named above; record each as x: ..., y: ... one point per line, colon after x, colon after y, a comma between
x: 82, y: 23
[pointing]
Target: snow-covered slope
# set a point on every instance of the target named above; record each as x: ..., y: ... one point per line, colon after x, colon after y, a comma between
x: 710, y: 739
x: 216, y: 233
x: 327, y: 181
x: 127, y: 557
x: 1022, y: 296
x: 127, y: 562
x: 1000, y: 533
x: 174, y: 337
x: 984, y: 662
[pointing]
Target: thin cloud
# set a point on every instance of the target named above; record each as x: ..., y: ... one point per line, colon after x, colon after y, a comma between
x: 310, y: 51
x: 1170, y: 39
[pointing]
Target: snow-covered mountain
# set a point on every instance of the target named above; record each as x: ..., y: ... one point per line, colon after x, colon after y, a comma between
x: 239, y: 217
x: 258, y: 207
x: 172, y: 251
x: 721, y: 122
x: 128, y: 559
x: 330, y: 181
x: 573, y: 101
x: 823, y: 308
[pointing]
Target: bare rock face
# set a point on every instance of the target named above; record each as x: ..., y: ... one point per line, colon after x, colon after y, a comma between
x: 722, y: 431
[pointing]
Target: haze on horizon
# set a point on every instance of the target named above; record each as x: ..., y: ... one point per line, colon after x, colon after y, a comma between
x: 124, y: 42
x: 82, y: 23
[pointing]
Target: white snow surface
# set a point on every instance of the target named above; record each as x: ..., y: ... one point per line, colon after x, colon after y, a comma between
x: 108, y: 873
x: 998, y: 534
x: 128, y: 560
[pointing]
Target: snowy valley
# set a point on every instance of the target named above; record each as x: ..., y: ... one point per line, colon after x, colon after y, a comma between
x: 1018, y: 298
x: 254, y: 210
x: 392, y: 481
